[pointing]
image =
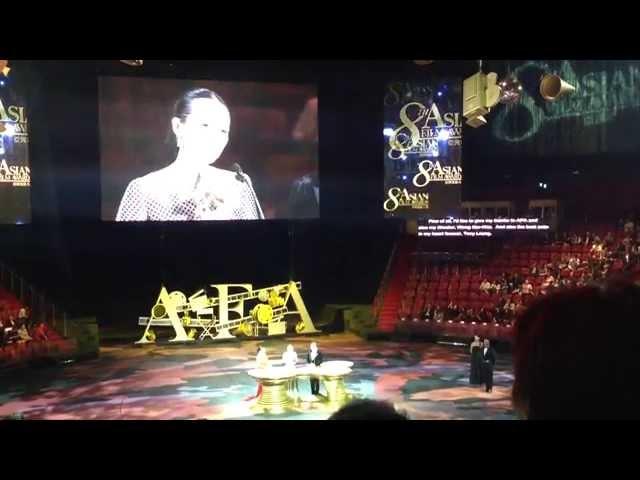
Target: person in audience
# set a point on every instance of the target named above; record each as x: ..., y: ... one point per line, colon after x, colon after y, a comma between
x: 548, y: 281
x: 367, y: 409
x: 40, y: 332
x: 452, y: 310
x: 427, y: 315
x: 23, y: 317
x: 11, y: 326
x: 23, y: 334
x: 488, y: 362
x: 608, y: 240
x: 556, y: 374
x: 469, y: 316
x: 438, y: 315
x: 629, y: 226
x: 485, y: 286
x: 527, y: 288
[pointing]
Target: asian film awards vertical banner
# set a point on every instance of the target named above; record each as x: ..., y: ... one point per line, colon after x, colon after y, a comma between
x: 15, y: 174
x: 423, y: 148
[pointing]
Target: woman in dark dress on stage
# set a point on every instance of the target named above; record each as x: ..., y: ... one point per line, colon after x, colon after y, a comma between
x: 476, y: 361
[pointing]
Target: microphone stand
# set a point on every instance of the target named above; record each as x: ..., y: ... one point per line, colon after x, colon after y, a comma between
x: 241, y: 176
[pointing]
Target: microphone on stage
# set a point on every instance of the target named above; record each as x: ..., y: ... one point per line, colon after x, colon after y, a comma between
x: 239, y: 173
x: 241, y: 177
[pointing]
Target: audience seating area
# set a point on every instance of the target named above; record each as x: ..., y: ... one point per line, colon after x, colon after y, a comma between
x: 415, y: 284
x: 38, y: 340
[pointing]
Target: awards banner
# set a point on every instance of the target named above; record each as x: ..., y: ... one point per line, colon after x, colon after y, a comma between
x: 15, y: 173
x: 423, y: 148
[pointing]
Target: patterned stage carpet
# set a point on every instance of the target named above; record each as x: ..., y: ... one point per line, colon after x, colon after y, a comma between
x: 209, y: 381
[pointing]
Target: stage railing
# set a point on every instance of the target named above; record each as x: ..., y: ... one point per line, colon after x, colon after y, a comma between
x: 384, y: 284
x: 40, y: 307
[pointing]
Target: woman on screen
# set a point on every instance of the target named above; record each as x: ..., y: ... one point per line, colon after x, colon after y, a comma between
x: 190, y: 188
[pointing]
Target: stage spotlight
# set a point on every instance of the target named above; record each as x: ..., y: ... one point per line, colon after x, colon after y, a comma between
x: 510, y: 90
x: 4, y: 68
x: 133, y: 63
x: 439, y: 94
x: 480, y: 93
x: 444, y: 134
x: 9, y: 130
x: 553, y: 87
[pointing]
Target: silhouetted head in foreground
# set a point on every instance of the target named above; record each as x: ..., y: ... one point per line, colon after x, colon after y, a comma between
x: 577, y: 354
x: 368, y: 410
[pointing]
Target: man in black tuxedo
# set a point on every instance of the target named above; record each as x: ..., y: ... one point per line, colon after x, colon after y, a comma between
x: 304, y: 197
x: 314, y: 356
x: 488, y: 361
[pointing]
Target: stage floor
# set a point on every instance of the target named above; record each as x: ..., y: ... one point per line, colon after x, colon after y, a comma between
x: 128, y: 382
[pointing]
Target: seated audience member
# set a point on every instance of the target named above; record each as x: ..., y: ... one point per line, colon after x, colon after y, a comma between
x: 438, y: 315
x: 629, y: 226
x: 548, y: 281
x: 23, y: 318
x: 527, y: 288
x: 608, y: 240
x: 40, y: 333
x: 452, y: 311
x: 556, y: 373
x: 368, y: 410
x: 23, y: 334
x: 485, y: 286
x: 468, y: 316
x: 428, y: 313
x: 10, y: 330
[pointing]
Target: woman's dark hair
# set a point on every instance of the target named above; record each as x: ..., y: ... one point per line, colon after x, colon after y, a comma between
x: 577, y: 354
x: 368, y: 410
x: 182, y: 107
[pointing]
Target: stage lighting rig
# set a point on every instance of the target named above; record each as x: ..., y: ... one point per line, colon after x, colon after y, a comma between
x: 133, y: 63
x: 481, y: 93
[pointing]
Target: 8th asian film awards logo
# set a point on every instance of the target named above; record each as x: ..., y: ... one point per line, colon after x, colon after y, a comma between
x: 13, y: 132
